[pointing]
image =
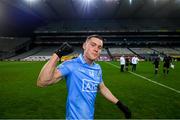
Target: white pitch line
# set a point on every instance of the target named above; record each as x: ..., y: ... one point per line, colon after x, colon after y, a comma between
x: 177, y: 91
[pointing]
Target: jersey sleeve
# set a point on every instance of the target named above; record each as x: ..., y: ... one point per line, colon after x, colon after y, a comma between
x: 64, y: 68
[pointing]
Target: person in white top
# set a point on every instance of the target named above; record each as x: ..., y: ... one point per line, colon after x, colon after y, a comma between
x: 122, y: 63
x: 134, y: 62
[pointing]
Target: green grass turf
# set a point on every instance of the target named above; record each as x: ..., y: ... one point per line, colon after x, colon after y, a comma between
x: 20, y: 98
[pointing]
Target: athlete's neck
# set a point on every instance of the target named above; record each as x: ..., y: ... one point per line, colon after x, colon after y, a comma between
x: 88, y: 61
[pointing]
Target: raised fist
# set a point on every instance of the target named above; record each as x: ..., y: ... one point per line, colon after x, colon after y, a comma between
x: 64, y: 49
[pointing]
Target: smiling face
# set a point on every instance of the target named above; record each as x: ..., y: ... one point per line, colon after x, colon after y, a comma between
x: 92, y: 49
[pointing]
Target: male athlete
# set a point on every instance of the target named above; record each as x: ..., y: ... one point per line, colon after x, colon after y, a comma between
x: 83, y: 79
x: 167, y: 60
x: 156, y: 64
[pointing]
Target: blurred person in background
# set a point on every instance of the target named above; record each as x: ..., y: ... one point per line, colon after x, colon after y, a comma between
x: 156, y: 64
x: 122, y: 63
x: 134, y: 62
x: 167, y: 61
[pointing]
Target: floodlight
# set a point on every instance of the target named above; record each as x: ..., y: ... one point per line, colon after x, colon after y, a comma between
x: 88, y: 1
x: 130, y: 2
x: 32, y: 1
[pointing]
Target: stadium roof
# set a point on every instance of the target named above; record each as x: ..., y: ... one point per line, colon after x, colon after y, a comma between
x: 26, y: 15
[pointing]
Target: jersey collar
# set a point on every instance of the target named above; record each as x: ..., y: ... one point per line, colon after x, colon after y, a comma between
x: 83, y: 60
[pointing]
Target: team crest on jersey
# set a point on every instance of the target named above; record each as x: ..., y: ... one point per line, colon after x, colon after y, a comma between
x: 91, y: 73
x: 89, y: 86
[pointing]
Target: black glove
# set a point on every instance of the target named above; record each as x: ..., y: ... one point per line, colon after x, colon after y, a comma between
x: 64, y: 49
x: 124, y: 109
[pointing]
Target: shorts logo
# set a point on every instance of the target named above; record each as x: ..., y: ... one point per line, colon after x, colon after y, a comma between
x: 89, y: 86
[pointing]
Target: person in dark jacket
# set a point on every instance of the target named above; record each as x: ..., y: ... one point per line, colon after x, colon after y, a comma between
x: 167, y: 61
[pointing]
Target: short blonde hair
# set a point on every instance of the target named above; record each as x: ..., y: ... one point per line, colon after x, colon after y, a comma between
x: 94, y: 36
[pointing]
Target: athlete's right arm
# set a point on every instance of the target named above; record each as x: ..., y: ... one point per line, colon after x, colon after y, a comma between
x: 49, y: 73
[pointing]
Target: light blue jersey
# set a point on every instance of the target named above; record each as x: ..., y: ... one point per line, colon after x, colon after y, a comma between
x: 82, y: 82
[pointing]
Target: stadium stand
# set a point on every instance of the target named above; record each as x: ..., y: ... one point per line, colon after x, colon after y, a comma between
x: 10, y: 45
x: 108, y: 25
x: 117, y: 52
x: 145, y: 53
x: 173, y: 52
x: 104, y: 55
x: 104, y: 52
x: 120, y: 51
x: 168, y: 51
x: 44, y: 53
x: 122, y: 37
x: 27, y: 54
x: 142, y: 50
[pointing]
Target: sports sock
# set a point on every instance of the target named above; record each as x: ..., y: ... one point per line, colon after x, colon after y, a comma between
x: 156, y: 71
x: 164, y: 71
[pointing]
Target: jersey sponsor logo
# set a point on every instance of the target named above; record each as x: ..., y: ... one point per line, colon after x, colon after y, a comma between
x: 89, y: 86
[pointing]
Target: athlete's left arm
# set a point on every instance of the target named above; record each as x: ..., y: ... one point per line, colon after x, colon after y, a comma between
x: 109, y: 96
x: 107, y: 93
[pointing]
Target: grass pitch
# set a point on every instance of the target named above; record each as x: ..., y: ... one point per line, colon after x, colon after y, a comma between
x: 20, y: 98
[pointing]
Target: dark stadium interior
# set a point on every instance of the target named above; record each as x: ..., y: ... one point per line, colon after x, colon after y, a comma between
x: 19, y: 16
x: 123, y: 23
